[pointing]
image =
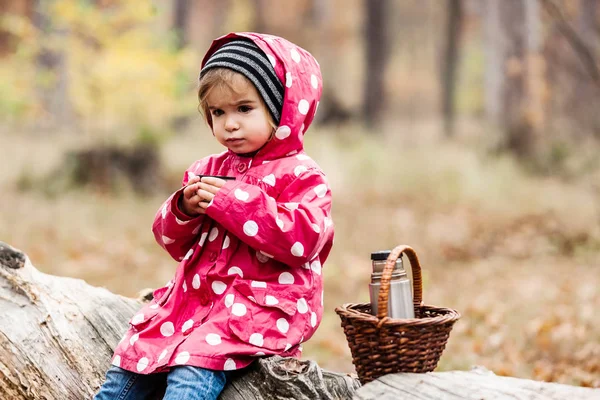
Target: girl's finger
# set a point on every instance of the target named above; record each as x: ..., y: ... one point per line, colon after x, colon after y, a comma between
x: 209, y: 188
x: 205, y: 194
x: 214, y: 181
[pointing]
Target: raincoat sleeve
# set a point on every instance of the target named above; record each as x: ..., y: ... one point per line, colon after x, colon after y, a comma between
x: 292, y: 229
x: 173, y: 230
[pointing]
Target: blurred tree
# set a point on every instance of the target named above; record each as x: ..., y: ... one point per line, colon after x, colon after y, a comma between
x: 454, y: 21
x: 52, y: 62
x: 376, y: 56
x: 260, y: 24
x: 506, y: 92
x: 180, y: 18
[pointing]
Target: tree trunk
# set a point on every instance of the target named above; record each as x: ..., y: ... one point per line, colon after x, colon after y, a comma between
x: 376, y: 56
x: 55, y: 98
x: 454, y: 19
x: 180, y: 18
x: 57, y: 336
x: 506, y: 72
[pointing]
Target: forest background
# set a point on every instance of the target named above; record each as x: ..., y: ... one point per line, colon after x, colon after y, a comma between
x: 467, y: 129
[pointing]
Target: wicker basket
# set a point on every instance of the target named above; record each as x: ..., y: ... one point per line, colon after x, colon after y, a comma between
x: 381, y: 345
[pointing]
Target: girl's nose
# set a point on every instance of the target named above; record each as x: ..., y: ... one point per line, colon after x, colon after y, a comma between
x: 231, y: 124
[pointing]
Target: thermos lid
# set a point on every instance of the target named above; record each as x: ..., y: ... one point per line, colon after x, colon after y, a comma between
x: 380, y: 255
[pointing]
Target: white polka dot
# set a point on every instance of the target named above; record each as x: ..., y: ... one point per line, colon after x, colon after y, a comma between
x: 229, y: 365
x: 285, y: 278
x: 300, y: 169
x: 269, y: 179
x: 288, y: 79
x: 302, y: 157
x: 303, y: 107
x: 138, y: 318
x: 162, y: 355
x: 142, y: 364
x: 291, y: 205
x: 134, y: 338
x: 258, y: 284
x: 314, y: 81
x: 188, y: 254
x: 316, y: 267
x: 182, y: 358
x: 187, y: 325
x: 203, y: 238
x: 238, y: 309
x: 117, y: 361
x: 180, y: 222
x: 213, y: 339
x: 167, y: 329
x: 271, y: 300
x: 196, y: 281
x: 302, y: 306
x: 313, y: 319
x: 196, y: 230
x: 259, y: 354
x: 226, y: 242
x: 235, y: 270
x: 316, y: 228
x: 184, y: 286
x: 167, y: 240
x: 241, y: 195
x: 321, y: 190
x: 229, y: 299
x: 256, y: 339
x: 291, y: 153
x: 272, y: 60
x: 279, y: 222
x: 266, y: 162
x: 214, y: 232
x: 252, y: 299
x: 261, y: 257
x: 164, y: 211
x: 283, y: 325
x: 283, y: 132
x: 287, y: 347
x: 295, y: 55
x: 250, y: 228
x: 264, y: 253
x: 298, y: 249
x: 155, y: 306
x: 218, y: 287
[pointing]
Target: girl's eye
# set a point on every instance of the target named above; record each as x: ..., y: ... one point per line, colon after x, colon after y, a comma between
x: 245, y: 109
x: 217, y: 112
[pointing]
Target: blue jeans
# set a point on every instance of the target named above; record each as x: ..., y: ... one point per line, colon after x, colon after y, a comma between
x: 185, y: 382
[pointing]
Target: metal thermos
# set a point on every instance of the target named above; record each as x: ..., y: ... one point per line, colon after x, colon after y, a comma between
x: 400, y: 302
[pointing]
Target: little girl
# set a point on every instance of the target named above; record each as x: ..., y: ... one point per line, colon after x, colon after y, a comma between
x: 250, y: 247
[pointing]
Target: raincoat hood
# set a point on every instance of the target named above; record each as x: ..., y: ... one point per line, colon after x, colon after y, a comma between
x: 298, y: 70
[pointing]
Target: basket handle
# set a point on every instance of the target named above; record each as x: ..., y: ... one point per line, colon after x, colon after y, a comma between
x: 384, y: 289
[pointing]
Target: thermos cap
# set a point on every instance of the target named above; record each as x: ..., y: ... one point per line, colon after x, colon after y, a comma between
x: 380, y: 255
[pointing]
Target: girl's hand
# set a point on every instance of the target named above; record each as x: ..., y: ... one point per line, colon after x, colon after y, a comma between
x: 189, y: 203
x: 208, y: 188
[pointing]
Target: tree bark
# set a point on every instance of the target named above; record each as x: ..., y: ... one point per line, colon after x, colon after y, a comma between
x: 376, y: 56
x: 57, y: 336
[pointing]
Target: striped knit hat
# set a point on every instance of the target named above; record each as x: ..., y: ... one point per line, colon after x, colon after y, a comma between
x: 245, y: 57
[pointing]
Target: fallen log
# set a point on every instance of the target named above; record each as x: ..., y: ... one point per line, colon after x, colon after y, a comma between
x: 57, y: 336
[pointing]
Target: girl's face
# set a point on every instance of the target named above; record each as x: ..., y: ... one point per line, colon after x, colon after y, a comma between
x: 240, y: 120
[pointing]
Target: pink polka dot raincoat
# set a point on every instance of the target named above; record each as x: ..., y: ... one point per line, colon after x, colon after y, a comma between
x: 249, y: 280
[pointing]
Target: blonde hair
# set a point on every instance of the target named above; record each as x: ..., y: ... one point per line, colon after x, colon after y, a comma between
x: 223, y: 78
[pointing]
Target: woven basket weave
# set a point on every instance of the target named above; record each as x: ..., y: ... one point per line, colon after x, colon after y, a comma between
x: 381, y: 345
